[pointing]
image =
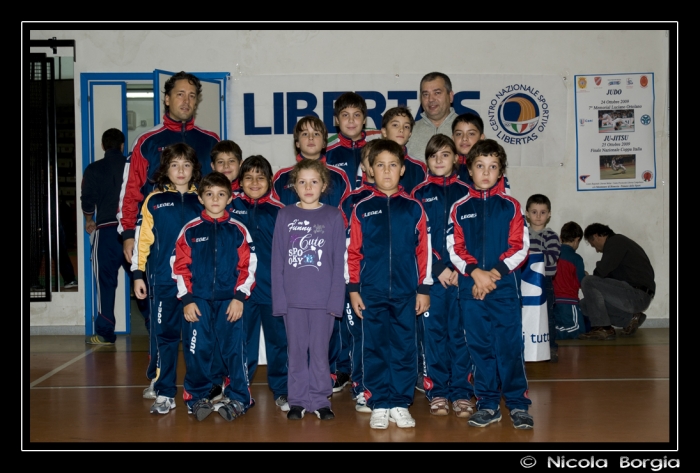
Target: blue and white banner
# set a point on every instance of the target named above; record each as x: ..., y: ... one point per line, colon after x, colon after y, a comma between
x: 535, y: 325
x: 526, y: 114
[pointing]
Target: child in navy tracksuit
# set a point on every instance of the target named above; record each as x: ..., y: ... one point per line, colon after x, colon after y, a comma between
x: 397, y: 125
x: 257, y: 210
x: 389, y: 277
x: 214, y: 265
x: 165, y: 211
x: 354, y: 323
x: 447, y: 364
x: 488, y: 242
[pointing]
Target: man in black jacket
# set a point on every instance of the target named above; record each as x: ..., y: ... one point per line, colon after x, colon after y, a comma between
x: 621, y: 288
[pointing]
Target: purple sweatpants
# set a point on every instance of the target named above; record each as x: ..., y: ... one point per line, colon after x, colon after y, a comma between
x: 308, y: 380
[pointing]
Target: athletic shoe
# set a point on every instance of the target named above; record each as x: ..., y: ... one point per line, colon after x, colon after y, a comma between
x: 402, y: 417
x: 439, y: 406
x: 282, y: 403
x: 295, y: 413
x: 484, y: 417
x: 215, y: 393
x: 231, y: 410
x: 379, y: 419
x: 521, y: 419
x: 463, y: 407
x: 97, y: 340
x: 163, y: 405
x: 150, y: 391
x: 361, y: 404
x: 324, y: 413
x: 201, y: 409
x: 341, y: 379
x: 71, y: 284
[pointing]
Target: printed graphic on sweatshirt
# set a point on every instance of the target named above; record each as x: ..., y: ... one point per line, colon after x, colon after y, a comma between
x: 307, y: 244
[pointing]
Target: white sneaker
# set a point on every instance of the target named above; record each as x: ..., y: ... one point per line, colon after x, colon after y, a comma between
x: 150, y: 391
x: 282, y: 403
x: 379, y: 419
x: 402, y: 417
x: 163, y: 405
x: 361, y: 404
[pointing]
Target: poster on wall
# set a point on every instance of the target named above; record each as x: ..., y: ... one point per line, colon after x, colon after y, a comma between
x: 615, y: 148
x: 524, y: 113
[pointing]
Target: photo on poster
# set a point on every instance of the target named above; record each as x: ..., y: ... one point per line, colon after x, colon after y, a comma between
x: 611, y: 121
x: 617, y: 166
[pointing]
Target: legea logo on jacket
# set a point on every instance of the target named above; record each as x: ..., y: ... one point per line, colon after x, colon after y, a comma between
x: 429, y: 199
x: 165, y: 204
x: 199, y: 239
x: 467, y: 216
x: 369, y: 214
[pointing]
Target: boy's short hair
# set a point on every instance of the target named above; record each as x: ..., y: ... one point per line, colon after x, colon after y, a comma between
x: 382, y: 145
x: 226, y: 146
x: 313, y: 122
x: 112, y: 139
x: 256, y: 163
x: 488, y: 147
x: 214, y: 179
x: 437, y: 142
x: 314, y: 165
x: 176, y: 151
x: 538, y: 199
x: 364, y: 152
x: 431, y: 76
x: 597, y: 229
x: 349, y: 99
x: 395, y: 112
x: 471, y: 118
x: 570, y: 231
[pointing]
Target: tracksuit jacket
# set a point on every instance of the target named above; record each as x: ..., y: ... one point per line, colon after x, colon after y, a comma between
x: 214, y: 259
x: 162, y: 216
x: 346, y: 154
x: 283, y: 190
x: 144, y: 161
x: 415, y: 173
x: 389, y: 249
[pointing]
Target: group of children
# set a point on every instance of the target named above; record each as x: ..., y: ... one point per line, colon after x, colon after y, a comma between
x: 360, y: 263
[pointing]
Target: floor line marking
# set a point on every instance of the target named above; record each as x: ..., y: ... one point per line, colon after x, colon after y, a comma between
x: 60, y: 368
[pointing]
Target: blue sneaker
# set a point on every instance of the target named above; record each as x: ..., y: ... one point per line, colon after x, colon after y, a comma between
x: 484, y: 417
x: 521, y: 419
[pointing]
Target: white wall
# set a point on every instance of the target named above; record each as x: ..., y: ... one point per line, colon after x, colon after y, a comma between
x: 643, y: 215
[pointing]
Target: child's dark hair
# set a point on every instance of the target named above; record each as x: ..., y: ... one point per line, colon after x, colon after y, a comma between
x: 570, y: 231
x: 488, y: 147
x: 364, y: 152
x: 382, y: 145
x: 112, y: 139
x: 349, y: 99
x: 469, y: 118
x: 597, y: 229
x: 171, y: 153
x: 396, y: 112
x: 538, y: 199
x: 314, y: 165
x: 257, y: 163
x: 436, y: 143
x: 214, y: 179
x: 226, y: 146
x: 314, y: 123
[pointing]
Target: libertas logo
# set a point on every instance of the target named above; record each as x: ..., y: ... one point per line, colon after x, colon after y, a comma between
x: 517, y: 113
